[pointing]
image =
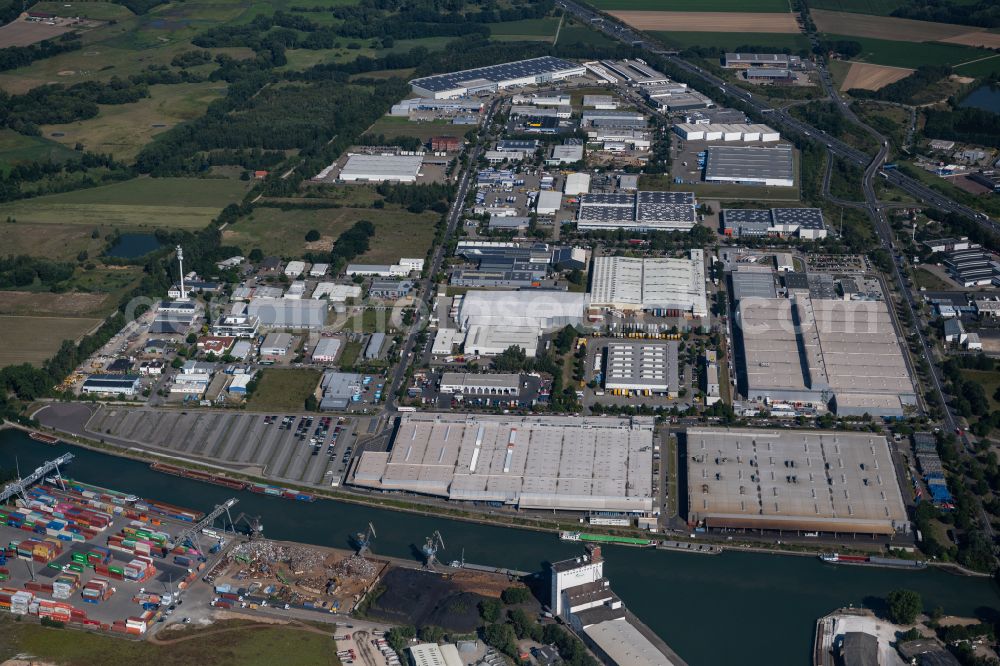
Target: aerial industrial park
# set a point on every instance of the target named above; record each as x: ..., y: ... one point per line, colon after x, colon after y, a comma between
x: 508, y: 335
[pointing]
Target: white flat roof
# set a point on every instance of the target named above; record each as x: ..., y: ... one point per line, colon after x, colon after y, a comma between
x: 386, y: 167
x: 635, y: 283
x: 568, y: 463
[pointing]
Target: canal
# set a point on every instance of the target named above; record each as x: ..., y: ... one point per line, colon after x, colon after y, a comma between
x: 732, y: 608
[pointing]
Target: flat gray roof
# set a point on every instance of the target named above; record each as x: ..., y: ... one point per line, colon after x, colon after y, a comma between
x: 642, y: 365
x: 749, y: 162
x: 568, y: 463
x: 809, y: 480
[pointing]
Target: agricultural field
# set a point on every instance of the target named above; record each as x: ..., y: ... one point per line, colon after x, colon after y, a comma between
x: 708, y: 21
x: 900, y: 29
x: 732, y: 40
x: 123, y: 129
x: 284, y: 390
x: 693, y: 5
x: 966, y: 60
x: 398, y: 233
x: 872, y: 77
x: 574, y: 33
x: 15, y: 147
x: 44, y: 303
x: 22, y: 32
x: 142, y: 203
x: 229, y: 642
x: 29, y: 339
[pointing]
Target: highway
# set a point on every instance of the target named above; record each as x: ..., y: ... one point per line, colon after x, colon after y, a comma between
x: 779, y: 117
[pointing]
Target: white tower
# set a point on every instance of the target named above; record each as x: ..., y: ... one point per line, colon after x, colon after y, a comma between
x: 180, y: 266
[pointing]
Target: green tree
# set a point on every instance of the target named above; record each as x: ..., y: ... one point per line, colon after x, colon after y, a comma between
x: 501, y: 637
x: 904, y: 606
x: 312, y: 236
x: 489, y: 610
x: 516, y: 595
x: 192, y: 338
x: 311, y: 403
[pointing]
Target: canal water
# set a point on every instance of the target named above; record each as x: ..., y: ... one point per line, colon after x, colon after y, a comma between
x: 132, y: 246
x: 745, y: 608
x: 986, y: 98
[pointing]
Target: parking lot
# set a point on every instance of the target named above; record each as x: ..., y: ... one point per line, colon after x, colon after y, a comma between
x: 302, y: 449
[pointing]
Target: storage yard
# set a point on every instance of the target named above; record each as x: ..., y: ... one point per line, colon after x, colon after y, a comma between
x: 93, y: 557
x: 270, y: 573
x: 296, y: 449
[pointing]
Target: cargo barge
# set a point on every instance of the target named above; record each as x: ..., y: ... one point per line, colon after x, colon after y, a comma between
x: 43, y: 438
x: 872, y: 561
x: 277, y: 491
x: 605, y: 538
x: 195, y: 475
x: 97, y: 496
x: 232, y: 484
x: 688, y: 547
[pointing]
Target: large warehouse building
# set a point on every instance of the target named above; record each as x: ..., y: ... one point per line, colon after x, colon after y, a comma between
x: 496, y: 77
x: 567, y: 463
x: 750, y: 165
x: 636, y: 365
x: 381, y: 168
x: 726, y: 132
x: 640, y: 211
x: 793, y: 481
x: 652, y: 284
x: 841, y: 353
x: 806, y: 223
x: 494, y: 321
x: 285, y: 313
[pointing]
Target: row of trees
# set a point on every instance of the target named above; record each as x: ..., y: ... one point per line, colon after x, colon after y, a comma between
x: 13, y: 57
x: 964, y: 124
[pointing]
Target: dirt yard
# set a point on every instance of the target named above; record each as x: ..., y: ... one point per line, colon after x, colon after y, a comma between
x: 888, y: 27
x: 989, y: 40
x: 24, y: 33
x: 872, y: 77
x: 709, y: 21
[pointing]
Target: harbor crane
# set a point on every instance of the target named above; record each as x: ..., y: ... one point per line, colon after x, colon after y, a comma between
x: 255, y: 528
x: 363, y: 540
x: 191, y: 533
x: 434, y: 543
x: 20, y: 486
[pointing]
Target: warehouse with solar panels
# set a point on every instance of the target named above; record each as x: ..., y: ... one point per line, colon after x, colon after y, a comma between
x: 639, y: 211
x: 496, y: 77
x: 555, y: 463
x: 793, y: 481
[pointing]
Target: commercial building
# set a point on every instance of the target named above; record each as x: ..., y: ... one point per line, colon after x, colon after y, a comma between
x: 769, y: 75
x: 326, y: 350
x: 444, y: 341
x: 236, y: 326
x: 171, y: 323
x: 537, y: 309
x: 483, y: 340
x: 600, y: 102
x: 973, y: 266
x: 656, y: 284
x: 468, y: 383
x: 446, y: 144
x: 620, y: 119
x: 319, y: 270
x: 381, y: 168
x: 750, y: 165
x: 390, y: 289
x: 241, y: 349
x: 111, y: 384
x: 379, y: 270
x: 710, y: 382
x: 421, y: 106
x: 502, y: 264
x: 638, y: 211
x: 642, y: 366
x: 556, y: 463
x: 288, y: 313
x: 843, y: 354
x: 496, y: 77
x: 836, y: 482
x: 635, y: 73
x: 432, y: 654
x: 736, y: 132
x: 339, y: 390
x: 542, y: 100
x: 948, y: 244
x: 753, y: 281
x: 239, y: 384
x: 336, y: 293
x: 989, y: 178
x: 375, y: 345
x: 565, y: 154
x: 576, y: 183
x: 758, y: 60
x: 275, y: 346
x: 549, y: 202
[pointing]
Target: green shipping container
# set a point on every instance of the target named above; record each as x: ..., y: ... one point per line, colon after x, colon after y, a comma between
x: 79, y: 557
x: 117, y: 569
x: 75, y: 567
x: 53, y: 565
